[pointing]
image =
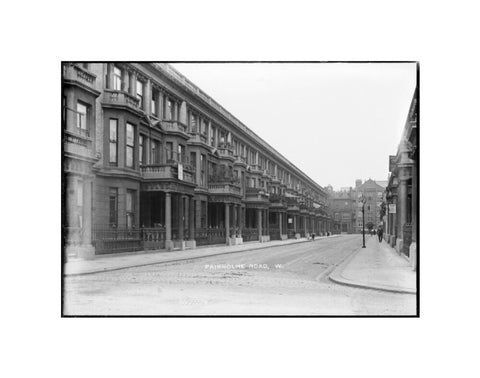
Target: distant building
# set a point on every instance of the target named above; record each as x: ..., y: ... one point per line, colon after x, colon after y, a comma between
x: 342, y: 205
x: 373, y: 191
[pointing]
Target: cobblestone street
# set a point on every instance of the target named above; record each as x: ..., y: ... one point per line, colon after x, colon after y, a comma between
x: 287, y: 280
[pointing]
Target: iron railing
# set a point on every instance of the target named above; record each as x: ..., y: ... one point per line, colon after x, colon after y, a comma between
x: 112, y: 240
x: 274, y: 233
x: 205, y: 236
x: 250, y: 234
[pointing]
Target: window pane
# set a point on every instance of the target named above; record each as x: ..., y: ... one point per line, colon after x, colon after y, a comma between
x: 113, y: 140
x: 117, y: 78
x: 129, y: 156
x: 154, y: 106
x: 81, y: 116
x: 113, y: 152
x: 140, y: 149
x: 139, y: 88
x: 129, y: 134
x: 113, y: 130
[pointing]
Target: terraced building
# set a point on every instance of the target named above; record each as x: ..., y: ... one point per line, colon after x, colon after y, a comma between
x: 152, y: 162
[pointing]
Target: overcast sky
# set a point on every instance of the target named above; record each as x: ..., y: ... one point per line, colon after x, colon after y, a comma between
x: 335, y: 121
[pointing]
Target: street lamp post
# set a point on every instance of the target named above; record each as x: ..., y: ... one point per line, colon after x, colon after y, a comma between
x: 363, y: 200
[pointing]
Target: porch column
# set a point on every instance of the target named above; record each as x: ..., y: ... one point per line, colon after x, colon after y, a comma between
x: 402, y: 206
x: 280, y: 224
x: 191, y: 226
x: 180, y: 217
x: 295, y: 224
x: 242, y: 221
x: 227, y: 223
x: 186, y: 221
x: 198, y: 211
x: 87, y: 213
x: 267, y: 221
x: 168, y: 221
x: 259, y: 224
x: 413, y: 246
x: 235, y: 218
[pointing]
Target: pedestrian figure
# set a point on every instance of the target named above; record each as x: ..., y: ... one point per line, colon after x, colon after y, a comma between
x: 313, y: 236
x: 380, y: 234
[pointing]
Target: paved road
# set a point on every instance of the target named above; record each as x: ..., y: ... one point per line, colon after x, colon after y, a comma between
x: 283, y: 280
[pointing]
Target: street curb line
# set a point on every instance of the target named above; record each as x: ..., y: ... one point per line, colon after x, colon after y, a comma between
x: 178, y: 260
x: 336, y: 276
x: 330, y: 269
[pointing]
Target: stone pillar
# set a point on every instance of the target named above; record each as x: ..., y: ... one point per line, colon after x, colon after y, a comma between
x: 242, y: 221
x: 198, y: 212
x: 280, y: 223
x: 180, y: 217
x: 413, y: 246
x: 87, y: 213
x: 109, y: 83
x: 183, y: 113
x: 394, y: 223
x: 125, y: 80
x: 186, y: 221
x: 174, y: 111
x: 168, y: 221
x: 267, y: 221
x: 259, y: 224
x: 209, y: 133
x: 235, y: 219
x: 402, y: 211
x: 132, y: 89
x: 160, y: 105
x: 147, y: 97
x: 227, y: 223
x: 191, y: 226
x: 305, y: 225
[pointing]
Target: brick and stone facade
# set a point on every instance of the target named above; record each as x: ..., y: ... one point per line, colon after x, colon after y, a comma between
x: 372, y: 191
x: 342, y: 204
x: 152, y: 162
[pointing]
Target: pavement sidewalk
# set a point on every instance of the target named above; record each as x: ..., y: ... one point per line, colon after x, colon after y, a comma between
x: 378, y: 266
x: 122, y: 261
